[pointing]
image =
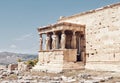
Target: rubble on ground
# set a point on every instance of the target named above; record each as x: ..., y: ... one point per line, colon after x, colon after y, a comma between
x: 80, y: 77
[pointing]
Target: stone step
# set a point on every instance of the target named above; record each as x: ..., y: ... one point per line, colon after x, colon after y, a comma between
x: 72, y: 65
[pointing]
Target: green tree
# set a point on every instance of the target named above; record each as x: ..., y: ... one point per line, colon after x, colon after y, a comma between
x: 19, y: 60
x: 35, y: 61
x: 30, y: 63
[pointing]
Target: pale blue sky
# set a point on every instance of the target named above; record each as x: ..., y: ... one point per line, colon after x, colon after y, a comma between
x: 19, y: 19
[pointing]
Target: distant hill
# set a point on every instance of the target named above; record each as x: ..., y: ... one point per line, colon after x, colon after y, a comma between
x: 9, y: 57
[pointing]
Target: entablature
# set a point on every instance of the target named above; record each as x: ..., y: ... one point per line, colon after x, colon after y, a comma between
x: 60, y: 27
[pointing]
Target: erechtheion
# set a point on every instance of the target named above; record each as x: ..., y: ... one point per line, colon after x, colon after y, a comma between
x: 88, y: 40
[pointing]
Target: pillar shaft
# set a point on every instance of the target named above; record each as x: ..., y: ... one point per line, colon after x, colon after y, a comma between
x: 63, y: 40
x: 57, y: 40
x: 54, y: 41
x: 47, y: 42
x: 41, y: 42
x: 74, y: 40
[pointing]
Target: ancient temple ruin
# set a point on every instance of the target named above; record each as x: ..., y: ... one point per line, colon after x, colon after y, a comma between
x: 87, y: 40
x: 64, y: 43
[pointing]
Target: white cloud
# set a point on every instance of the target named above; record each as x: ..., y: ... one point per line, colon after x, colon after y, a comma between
x: 24, y: 37
x: 13, y: 46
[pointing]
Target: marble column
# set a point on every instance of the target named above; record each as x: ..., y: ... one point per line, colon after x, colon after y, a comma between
x: 57, y: 40
x: 41, y: 42
x: 73, y: 43
x: 47, y: 42
x: 54, y: 41
x: 63, y: 40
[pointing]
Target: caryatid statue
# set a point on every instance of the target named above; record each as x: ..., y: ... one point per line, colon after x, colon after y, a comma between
x: 63, y: 40
x: 74, y: 40
x: 41, y: 42
x: 47, y: 42
x: 54, y: 41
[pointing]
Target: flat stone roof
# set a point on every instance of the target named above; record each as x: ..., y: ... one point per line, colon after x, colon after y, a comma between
x: 90, y: 11
x: 60, y: 26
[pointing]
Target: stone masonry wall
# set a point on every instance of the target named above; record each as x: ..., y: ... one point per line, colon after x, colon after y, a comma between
x: 55, y: 61
x: 50, y: 62
x: 102, y: 33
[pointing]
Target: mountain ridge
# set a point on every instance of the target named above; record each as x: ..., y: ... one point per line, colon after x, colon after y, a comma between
x: 11, y: 57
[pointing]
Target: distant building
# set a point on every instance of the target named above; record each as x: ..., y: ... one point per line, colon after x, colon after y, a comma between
x: 88, y: 40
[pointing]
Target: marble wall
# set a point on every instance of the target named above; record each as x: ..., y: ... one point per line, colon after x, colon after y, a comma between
x: 102, y: 33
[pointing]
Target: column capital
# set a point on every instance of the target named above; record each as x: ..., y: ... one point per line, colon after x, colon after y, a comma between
x: 54, y: 32
x: 74, y: 32
x: 40, y: 35
x: 63, y: 31
x: 47, y: 35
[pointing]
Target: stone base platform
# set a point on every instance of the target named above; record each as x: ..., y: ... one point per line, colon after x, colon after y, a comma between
x: 57, y: 60
x: 57, y: 68
x: 104, y: 66
x: 73, y: 65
